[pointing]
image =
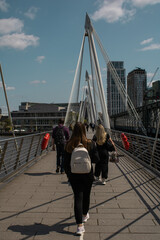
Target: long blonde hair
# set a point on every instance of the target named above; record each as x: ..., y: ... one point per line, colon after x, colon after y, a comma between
x: 100, y: 135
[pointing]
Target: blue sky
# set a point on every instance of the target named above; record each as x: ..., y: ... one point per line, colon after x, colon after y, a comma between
x: 40, y: 42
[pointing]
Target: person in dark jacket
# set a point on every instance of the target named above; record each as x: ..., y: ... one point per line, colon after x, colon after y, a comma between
x: 60, y: 135
x: 104, y: 145
x: 81, y: 183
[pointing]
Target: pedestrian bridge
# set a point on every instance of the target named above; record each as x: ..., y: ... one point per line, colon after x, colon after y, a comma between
x: 37, y: 203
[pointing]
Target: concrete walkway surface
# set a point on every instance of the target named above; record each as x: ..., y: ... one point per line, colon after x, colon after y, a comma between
x: 38, y: 204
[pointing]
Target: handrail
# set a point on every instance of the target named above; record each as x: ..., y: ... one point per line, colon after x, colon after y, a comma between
x: 28, y: 149
x: 141, y: 149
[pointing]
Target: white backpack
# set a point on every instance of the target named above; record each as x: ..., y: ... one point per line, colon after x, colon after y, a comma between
x: 80, y: 160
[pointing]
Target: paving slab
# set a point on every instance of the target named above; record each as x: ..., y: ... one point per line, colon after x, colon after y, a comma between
x: 38, y: 204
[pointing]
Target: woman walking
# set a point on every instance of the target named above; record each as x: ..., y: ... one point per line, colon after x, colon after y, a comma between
x: 81, y: 183
x: 104, y: 145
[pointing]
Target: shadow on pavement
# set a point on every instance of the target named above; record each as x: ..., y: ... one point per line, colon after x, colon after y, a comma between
x: 40, y: 174
x: 41, y: 229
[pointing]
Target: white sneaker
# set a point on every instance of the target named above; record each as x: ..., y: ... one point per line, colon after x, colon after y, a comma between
x: 103, y: 181
x: 80, y: 230
x: 85, y: 218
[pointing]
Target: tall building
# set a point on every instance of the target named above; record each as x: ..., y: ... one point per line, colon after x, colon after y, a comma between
x: 115, y: 102
x: 136, y: 86
x: 156, y: 89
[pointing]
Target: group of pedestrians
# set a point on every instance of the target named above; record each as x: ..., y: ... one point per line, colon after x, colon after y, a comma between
x: 91, y: 125
x: 81, y: 183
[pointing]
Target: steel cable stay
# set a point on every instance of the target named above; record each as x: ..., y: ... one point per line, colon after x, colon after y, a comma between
x: 93, y: 80
x: 80, y: 116
x: 95, y: 72
x: 99, y: 83
x: 96, y: 78
x: 121, y: 89
x: 91, y: 98
x: 69, y: 118
x: 79, y: 65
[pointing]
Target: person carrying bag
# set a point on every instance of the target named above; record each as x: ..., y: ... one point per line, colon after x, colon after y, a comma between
x: 104, y: 146
x: 80, y: 153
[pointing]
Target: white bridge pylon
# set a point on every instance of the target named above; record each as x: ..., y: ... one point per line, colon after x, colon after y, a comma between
x: 88, y: 104
x: 93, y: 102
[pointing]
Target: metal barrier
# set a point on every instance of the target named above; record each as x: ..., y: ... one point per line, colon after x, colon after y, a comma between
x: 143, y: 149
x: 15, y: 153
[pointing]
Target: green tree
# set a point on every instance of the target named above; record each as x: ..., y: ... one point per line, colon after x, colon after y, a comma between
x: 7, y: 125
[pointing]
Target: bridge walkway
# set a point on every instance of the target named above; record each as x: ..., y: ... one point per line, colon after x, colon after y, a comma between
x: 38, y: 204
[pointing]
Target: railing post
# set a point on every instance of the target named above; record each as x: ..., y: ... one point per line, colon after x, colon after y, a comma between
x: 2, y: 157
x: 155, y: 142
x: 152, y: 157
x: 38, y: 145
x: 132, y: 147
x: 139, y: 146
x: 18, y: 154
x: 30, y: 149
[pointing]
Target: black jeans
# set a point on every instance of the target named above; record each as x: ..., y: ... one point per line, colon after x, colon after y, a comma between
x: 81, y: 185
x: 60, y: 156
x: 101, y: 167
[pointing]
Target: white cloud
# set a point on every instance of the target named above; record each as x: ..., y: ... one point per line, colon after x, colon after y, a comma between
x: 7, y: 88
x: 38, y: 82
x: 113, y: 11
x: 10, y: 25
x: 10, y: 88
x: 119, y: 10
x: 18, y: 41
x: 35, y: 82
x: 149, y: 40
x: 4, y: 6
x: 143, y: 3
x: 44, y: 82
x: 150, y: 75
x: 31, y: 13
x: 151, y: 47
x: 12, y: 35
x: 40, y: 59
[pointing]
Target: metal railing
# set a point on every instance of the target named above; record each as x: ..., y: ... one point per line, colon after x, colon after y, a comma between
x: 144, y: 149
x: 16, y: 153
